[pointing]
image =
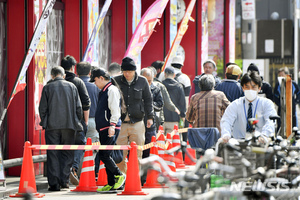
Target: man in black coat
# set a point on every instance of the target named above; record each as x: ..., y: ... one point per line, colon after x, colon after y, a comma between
x: 158, y: 104
x: 60, y: 125
x: 176, y: 93
x: 138, y: 101
x: 68, y: 63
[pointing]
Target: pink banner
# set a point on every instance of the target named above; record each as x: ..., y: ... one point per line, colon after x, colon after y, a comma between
x: 145, y: 28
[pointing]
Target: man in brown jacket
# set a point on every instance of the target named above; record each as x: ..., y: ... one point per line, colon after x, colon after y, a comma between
x: 207, y: 107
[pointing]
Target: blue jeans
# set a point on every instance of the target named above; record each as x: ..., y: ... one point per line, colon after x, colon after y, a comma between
x: 80, y: 140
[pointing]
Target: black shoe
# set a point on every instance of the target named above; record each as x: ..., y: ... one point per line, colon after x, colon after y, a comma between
x: 65, y: 185
x: 54, y: 188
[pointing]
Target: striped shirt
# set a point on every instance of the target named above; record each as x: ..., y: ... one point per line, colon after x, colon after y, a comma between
x: 206, y: 109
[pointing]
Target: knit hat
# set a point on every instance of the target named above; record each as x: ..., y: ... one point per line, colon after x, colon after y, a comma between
x: 253, y: 67
x: 96, y: 73
x: 233, y: 70
x: 177, y: 60
x: 128, y: 64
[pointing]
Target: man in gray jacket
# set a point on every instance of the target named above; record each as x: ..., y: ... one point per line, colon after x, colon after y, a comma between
x: 60, y: 124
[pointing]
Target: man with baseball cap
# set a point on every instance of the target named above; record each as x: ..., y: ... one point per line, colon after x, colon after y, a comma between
x: 138, y: 101
x: 230, y: 86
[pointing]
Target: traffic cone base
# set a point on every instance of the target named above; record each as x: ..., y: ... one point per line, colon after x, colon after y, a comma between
x: 87, y: 181
x: 191, y: 152
x: 27, y: 180
x: 151, y: 181
x: 178, y: 156
x: 85, y: 189
x: 133, y: 181
x: 35, y: 195
x: 102, y: 176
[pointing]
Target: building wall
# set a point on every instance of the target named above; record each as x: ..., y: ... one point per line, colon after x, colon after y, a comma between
x: 22, y: 116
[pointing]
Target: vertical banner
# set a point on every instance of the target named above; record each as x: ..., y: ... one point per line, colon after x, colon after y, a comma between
x: 145, y: 28
x: 88, y: 54
x: 232, y: 30
x: 20, y: 82
x: 216, y: 33
x: 182, y: 29
x: 93, y: 13
x: 136, y: 13
x: 204, y: 44
x: 173, y: 20
x: 136, y: 18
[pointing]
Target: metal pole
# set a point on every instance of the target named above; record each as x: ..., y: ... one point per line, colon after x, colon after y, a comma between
x: 18, y: 161
x: 296, y: 45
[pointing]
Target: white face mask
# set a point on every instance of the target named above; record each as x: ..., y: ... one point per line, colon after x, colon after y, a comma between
x: 250, y: 94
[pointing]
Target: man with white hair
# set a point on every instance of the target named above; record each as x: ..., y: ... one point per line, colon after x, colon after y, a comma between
x: 207, y: 106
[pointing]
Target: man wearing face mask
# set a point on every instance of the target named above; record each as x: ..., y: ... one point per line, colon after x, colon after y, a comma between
x: 234, y: 122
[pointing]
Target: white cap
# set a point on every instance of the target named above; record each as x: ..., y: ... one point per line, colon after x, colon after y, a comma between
x: 177, y: 60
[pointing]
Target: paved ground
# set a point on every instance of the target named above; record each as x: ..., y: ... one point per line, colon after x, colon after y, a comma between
x: 12, y: 186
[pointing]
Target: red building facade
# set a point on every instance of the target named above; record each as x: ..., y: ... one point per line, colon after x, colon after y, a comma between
x: 67, y: 34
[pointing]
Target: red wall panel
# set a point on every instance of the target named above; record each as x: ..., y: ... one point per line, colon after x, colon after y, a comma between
x: 118, y: 27
x: 15, y: 53
x: 154, y: 48
x: 72, y: 28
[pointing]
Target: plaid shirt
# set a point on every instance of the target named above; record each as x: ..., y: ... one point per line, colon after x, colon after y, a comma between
x: 206, y: 109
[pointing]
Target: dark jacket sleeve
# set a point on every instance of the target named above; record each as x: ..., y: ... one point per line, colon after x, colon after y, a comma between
x: 276, y: 96
x: 84, y: 96
x: 147, y: 97
x: 182, y: 107
x: 158, y: 102
x: 268, y: 91
x: 43, y: 109
x: 79, y: 112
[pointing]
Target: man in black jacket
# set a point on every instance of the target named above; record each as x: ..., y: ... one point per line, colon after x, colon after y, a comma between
x: 60, y: 124
x: 158, y: 104
x: 176, y: 93
x: 138, y: 101
x: 68, y: 63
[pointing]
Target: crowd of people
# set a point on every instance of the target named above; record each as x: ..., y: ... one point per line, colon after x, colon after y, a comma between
x: 119, y: 106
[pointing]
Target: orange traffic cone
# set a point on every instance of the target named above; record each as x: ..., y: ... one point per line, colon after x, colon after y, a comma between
x: 87, y: 181
x: 178, y: 155
x: 27, y: 180
x: 191, y: 152
x: 102, y: 176
x: 161, y: 140
x: 169, y: 157
x: 152, y: 175
x: 133, y: 181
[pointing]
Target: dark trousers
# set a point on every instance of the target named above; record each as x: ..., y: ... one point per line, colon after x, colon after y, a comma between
x: 105, y: 156
x: 146, y: 152
x: 59, y: 162
x: 80, y: 139
x: 148, y: 137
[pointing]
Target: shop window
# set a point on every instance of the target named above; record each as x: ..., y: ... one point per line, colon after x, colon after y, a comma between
x: 104, y: 47
x: 55, y: 51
